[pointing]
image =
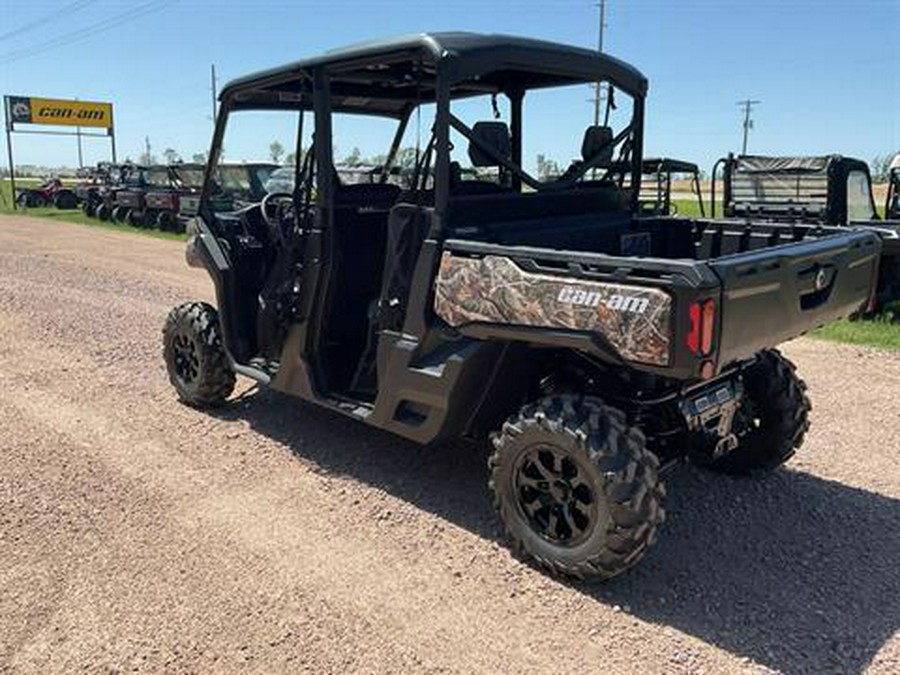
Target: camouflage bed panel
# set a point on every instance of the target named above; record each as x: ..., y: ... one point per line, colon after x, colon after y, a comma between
x: 493, y: 289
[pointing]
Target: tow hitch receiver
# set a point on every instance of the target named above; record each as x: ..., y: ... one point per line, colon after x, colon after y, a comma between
x: 710, y: 414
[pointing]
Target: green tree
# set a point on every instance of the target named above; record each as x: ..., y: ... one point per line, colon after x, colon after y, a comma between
x: 353, y: 159
x: 276, y: 151
x: 880, y: 167
x: 547, y: 168
x: 171, y: 156
x: 199, y: 157
x: 406, y: 158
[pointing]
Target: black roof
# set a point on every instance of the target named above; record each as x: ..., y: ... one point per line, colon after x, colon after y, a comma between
x: 668, y: 165
x: 794, y: 164
x: 376, y: 76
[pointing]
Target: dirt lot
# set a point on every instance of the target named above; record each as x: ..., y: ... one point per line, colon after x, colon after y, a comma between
x: 137, y: 534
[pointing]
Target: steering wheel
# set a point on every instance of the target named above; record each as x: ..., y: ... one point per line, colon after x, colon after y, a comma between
x: 274, y: 207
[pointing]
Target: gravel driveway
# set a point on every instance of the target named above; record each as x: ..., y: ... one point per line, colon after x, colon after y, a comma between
x: 137, y: 534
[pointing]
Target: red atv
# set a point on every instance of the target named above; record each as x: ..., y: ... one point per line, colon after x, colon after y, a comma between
x: 49, y: 192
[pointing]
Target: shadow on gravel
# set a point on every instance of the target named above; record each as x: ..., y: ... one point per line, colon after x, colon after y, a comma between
x: 795, y: 572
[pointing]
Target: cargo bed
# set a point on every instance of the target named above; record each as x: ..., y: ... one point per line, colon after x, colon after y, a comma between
x: 768, y: 282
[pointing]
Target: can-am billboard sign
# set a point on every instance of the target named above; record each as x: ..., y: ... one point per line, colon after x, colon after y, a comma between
x: 54, y: 111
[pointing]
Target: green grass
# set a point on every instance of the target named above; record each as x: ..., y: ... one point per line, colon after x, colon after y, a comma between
x: 878, y: 333
x: 689, y: 207
x: 73, y: 216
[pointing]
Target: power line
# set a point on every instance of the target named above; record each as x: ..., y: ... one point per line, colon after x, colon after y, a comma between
x: 47, y: 18
x: 748, y: 123
x: 84, y: 33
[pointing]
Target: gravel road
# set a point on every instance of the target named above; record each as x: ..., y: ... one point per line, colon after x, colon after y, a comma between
x: 137, y: 534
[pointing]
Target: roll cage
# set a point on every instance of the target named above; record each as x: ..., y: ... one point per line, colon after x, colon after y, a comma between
x: 318, y: 299
x: 393, y: 78
x: 892, y: 200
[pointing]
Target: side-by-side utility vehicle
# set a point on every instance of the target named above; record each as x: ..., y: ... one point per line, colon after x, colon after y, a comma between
x: 590, y: 344
x: 130, y: 202
x: 127, y: 177
x: 892, y: 199
x: 826, y: 190
x: 88, y: 191
x: 659, y: 190
x: 233, y: 186
x: 162, y: 203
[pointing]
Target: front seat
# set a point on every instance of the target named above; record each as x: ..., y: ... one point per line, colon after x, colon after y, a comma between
x: 496, y: 136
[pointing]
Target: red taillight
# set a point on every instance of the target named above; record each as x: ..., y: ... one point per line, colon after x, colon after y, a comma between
x: 708, y: 327
x: 700, y: 338
x: 693, y: 338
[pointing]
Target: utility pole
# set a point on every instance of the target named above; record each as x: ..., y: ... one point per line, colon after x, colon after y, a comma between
x: 80, y: 156
x: 597, y: 97
x: 748, y: 123
x: 212, y: 73
x: 147, y: 159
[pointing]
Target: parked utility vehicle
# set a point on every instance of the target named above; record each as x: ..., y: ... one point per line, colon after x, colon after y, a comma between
x: 892, y: 201
x: 162, y: 203
x: 130, y: 204
x: 827, y: 190
x: 124, y: 177
x: 590, y: 344
x: 657, y: 196
x: 88, y: 191
x: 232, y: 186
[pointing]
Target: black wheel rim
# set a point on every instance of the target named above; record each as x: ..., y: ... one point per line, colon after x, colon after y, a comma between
x: 186, y: 361
x: 554, y: 494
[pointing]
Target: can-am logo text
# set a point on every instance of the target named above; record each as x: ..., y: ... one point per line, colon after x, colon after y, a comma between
x: 621, y: 303
x: 68, y: 113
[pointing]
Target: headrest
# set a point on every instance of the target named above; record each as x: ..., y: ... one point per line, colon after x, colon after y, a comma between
x: 594, y: 139
x: 494, y: 135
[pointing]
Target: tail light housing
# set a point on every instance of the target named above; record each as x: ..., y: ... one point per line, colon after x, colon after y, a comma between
x: 701, y: 336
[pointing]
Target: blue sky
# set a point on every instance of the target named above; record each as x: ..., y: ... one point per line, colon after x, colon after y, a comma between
x: 827, y: 72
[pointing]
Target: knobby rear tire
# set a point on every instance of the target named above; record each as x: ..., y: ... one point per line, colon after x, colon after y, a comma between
x: 621, y: 473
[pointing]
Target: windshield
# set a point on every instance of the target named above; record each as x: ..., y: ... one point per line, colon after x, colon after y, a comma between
x: 238, y: 177
x: 189, y: 176
x: 280, y: 180
x: 518, y: 142
x: 157, y: 176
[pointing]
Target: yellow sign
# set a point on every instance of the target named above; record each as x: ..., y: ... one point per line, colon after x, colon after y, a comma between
x: 30, y: 110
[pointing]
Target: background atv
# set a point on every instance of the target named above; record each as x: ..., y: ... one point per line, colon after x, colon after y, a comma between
x: 591, y: 345
x: 50, y: 192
